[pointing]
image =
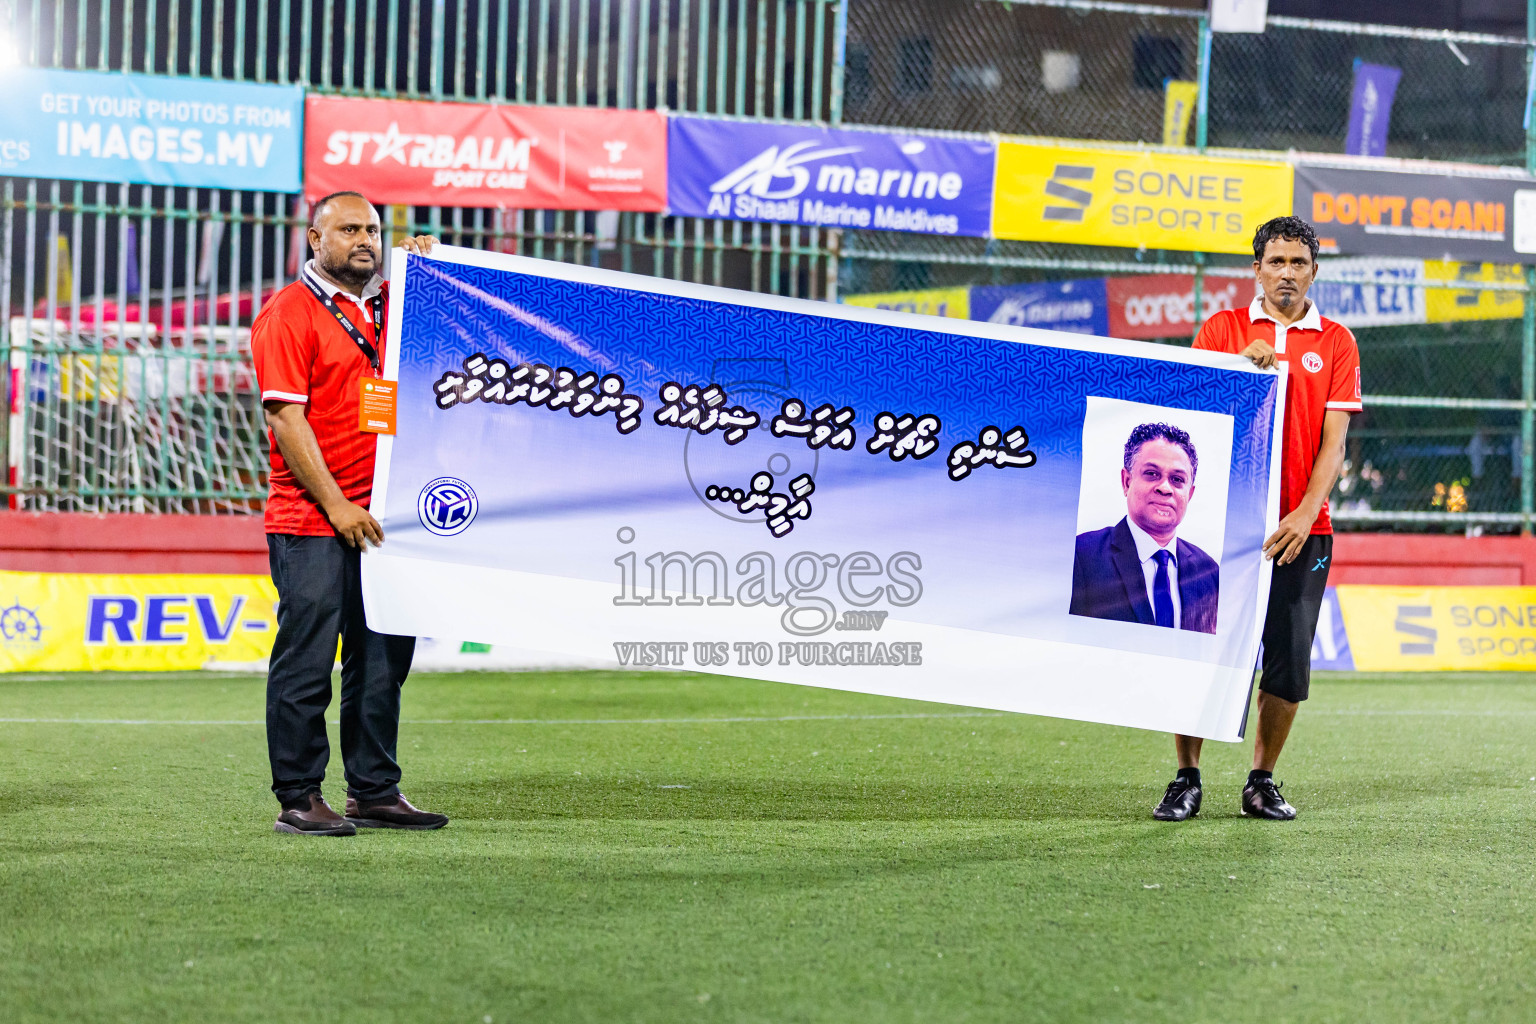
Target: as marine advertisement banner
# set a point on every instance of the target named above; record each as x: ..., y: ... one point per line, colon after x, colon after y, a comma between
x: 65, y: 622
x: 827, y: 177
x: 486, y: 154
x: 664, y: 474
x: 1135, y: 198
x: 150, y: 129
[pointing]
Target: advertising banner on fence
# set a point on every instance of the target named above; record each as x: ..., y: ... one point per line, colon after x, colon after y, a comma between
x: 58, y: 622
x: 1437, y: 629
x: 150, y: 130
x: 1148, y: 306
x: 1379, y: 292
x: 1431, y: 216
x: 1135, y: 198
x: 665, y: 474
x: 1077, y: 306
x: 801, y: 174
x: 1442, y: 305
x: 481, y: 154
x: 951, y: 302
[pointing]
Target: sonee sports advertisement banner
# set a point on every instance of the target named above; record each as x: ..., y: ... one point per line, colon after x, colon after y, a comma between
x: 664, y: 474
x: 150, y: 130
x: 826, y: 177
x: 478, y: 154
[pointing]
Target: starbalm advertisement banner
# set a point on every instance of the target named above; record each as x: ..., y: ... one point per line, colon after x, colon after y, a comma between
x: 825, y: 177
x: 663, y: 474
x: 150, y: 130
x: 484, y: 154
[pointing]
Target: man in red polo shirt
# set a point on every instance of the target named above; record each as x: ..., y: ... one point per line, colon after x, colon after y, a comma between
x: 1322, y: 392
x: 316, y: 345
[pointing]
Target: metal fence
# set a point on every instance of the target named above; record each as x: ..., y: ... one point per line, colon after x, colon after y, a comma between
x: 129, y: 384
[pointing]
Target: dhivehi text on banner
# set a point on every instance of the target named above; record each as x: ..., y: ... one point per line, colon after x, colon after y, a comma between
x: 951, y: 302
x: 1135, y: 198
x: 483, y: 154
x: 666, y: 474
x: 1430, y: 216
x: 1440, y: 629
x: 150, y: 130
x: 827, y: 177
x: 66, y: 622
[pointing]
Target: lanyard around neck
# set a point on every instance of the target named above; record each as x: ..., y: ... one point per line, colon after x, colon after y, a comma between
x: 376, y: 304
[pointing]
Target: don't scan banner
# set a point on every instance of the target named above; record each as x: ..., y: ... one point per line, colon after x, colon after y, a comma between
x: 663, y: 474
x: 65, y: 622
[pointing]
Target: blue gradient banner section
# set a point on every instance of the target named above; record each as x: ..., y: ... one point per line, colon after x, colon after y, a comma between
x: 802, y: 174
x: 150, y: 130
x: 668, y: 445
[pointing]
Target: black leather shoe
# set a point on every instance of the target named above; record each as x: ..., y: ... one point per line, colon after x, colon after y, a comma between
x: 1262, y: 799
x: 392, y: 812
x: 1181, y: 801
x: 312, y: 816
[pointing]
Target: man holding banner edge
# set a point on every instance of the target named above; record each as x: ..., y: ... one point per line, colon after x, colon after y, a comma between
x: 1322, y: 392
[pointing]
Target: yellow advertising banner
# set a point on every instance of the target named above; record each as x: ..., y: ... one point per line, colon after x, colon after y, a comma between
x: 62, y: 622
x: 1437, y: 629
x: 1135, y: 198
x: 950, y: 302
x: 1179, y: 100
x: 1442, y: 305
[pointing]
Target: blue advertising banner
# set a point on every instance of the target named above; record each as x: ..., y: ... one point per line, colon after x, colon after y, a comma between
x: 654, y: 473
x: 150, y: 130
x: 1079, y: 306
x: 801, y: 174
x: 1370, y: 108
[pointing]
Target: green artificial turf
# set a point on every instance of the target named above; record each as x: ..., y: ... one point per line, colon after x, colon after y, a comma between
x: 747, y: 851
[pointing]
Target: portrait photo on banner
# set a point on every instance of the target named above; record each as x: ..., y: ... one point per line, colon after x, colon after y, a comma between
x: 1151, y: 515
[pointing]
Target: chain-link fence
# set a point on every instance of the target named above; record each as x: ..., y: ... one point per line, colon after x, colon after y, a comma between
x: 102, y: 284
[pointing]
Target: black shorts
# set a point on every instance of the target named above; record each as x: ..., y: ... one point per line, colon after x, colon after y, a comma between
x: 1295, y: 599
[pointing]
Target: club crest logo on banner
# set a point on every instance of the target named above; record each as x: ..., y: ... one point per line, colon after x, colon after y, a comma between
x: 814, y: 493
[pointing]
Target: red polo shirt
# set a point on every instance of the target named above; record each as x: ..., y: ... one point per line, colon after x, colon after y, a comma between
x: 303, y: 355
x: 1324, y: 374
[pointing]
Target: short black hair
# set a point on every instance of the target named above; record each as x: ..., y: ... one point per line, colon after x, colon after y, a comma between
x: 1167, y: 432
x: 314, y: 211
x: 1292, y: 229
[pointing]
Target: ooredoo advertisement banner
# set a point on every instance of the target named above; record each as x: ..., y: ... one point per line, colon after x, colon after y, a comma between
x: 821, y: 494
x: 1150, y: 306
x: 802, y: 174
x: 480, y: 154
x: 1135, y: 198
x: 150, y: 130
x: 1430, y: 216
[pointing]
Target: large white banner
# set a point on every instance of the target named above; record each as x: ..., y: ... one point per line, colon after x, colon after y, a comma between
x: 626, y: 469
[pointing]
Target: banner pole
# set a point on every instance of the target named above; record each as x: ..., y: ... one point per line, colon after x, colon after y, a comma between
x: 1528, y: 320
x: 1202, y: 121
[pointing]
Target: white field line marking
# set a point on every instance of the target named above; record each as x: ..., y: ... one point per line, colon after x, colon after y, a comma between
x: 1427, y: 713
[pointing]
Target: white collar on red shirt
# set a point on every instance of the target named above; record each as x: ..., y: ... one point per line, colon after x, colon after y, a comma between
x: 1313, y: 321
x: 373, y: 287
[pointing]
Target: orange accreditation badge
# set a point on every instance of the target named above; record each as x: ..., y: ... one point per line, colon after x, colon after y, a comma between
x: 376, y: 405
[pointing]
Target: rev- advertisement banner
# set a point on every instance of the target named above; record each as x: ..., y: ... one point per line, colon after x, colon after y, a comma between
x: 1430, y: 216
x: 150, y: 130
x: 657, y: 473
x: 482, y: 154
x: 67, y: 622
x: 951, y: 302
x: 1135, y: 198
x: 801, y: 174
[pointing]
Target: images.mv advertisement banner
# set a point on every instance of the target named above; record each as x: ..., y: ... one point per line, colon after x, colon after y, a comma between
x: 150, y: 130
x: 664, y: 474
x: 484, y: 154
x: 827, y: 177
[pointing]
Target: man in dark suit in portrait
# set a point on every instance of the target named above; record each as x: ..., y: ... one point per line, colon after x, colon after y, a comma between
x: 1139, y: 570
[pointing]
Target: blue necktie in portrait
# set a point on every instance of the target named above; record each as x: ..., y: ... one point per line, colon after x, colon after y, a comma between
x: 1162, y: 597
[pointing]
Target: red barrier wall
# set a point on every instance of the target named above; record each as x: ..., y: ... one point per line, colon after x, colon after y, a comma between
x: 69, y: 542
x: 75, y: 542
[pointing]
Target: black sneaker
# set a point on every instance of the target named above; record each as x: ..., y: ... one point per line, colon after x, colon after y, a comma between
x: 1262, y: 799
x: 1181, y: 801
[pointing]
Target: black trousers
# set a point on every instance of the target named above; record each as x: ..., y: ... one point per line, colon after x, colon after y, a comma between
x: 1295, y: 601
x: 320, y: 598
